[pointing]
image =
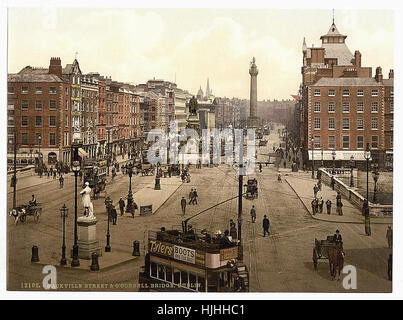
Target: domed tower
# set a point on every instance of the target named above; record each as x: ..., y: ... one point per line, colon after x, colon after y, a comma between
x: 253, y: 119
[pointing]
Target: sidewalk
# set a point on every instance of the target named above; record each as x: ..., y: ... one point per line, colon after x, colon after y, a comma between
x: 303, y: 187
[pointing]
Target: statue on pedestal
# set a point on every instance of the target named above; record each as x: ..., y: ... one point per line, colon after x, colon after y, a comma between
x: 86, y: 198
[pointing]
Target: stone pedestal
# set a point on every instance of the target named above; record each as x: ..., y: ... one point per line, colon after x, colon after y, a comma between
x: 87, y: 238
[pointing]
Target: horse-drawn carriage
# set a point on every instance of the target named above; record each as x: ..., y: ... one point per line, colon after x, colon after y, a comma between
x: 330, y: 250
x: 21, y: 212
x: 251, y: 189
x: 146, y: 169
x: 95, y: 175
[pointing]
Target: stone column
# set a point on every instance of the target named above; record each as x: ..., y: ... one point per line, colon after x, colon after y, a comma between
x: 253, y: 120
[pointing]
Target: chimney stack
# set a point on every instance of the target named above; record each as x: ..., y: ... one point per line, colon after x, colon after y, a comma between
x: 357, y: 57
x: 391, y: 74
x: 378, y: 74
x: 55, y: 67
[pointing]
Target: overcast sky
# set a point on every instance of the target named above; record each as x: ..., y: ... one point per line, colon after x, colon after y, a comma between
x: 134, y: 45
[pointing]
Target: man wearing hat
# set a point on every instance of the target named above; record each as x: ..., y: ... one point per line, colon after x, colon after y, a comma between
x: 337, y: 238
x: 183, y: 205
x: 266, y: 225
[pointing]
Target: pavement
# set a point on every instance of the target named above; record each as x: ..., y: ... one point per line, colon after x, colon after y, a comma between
x: 303, y: 185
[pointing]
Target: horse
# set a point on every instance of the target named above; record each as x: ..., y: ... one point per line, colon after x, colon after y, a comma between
x: 16, y: 213
x: 336, y: 261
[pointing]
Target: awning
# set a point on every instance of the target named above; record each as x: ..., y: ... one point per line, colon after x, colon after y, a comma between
x: 82, y: 153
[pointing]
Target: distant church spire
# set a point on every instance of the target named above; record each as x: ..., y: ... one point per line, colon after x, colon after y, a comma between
x: 333, y: 16
x: 208, y: 89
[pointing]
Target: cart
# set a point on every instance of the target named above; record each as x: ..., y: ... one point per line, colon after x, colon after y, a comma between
x: 251, y: 189
x: 321, y: 249
x: 21, y: 212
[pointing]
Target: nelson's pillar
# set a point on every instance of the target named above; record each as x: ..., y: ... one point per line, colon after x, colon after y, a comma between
x: 253, y: 121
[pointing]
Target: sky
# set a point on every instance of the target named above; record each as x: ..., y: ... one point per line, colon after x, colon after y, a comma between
x: 191, y: 45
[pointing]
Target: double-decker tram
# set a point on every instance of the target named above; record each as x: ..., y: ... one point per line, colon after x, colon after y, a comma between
x: 191, y: 260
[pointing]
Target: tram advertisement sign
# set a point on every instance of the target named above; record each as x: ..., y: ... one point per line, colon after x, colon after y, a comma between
x: 184, y: 254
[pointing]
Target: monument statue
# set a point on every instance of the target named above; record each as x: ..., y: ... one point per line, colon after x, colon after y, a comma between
x: 193, y: 106
x: 86, y: 198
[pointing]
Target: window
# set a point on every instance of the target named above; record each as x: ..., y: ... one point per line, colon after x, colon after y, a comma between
x: 38, y: 121
x: 332, y: 92
x: 332, y: 124
x: 52, y: 90
x: 374, y: 143
x: 316, y: 141
x: 52, y: 121
x: 66, y: 121
x: 67, y: 105
x: 332, y: 107
x: 346, y: 124
x: 374, y: 93
x: 10, y: 119
x: 360, y: 124
x: 24, y: 121
x: 316, y: 122
x: 52, y: 139
x: 360, y: 107
x: 10, y: 90
x: 24, y: 105
x: 316, y: 107
x: 374, y: 123
x: 52, y: 105
x: 360, y: 142
x: 316, y: 93
x: 346, y: 107
x: 38, y: 90
x: 24, y: 138
x: 67, y: 91
x: 360, y: 93
x: 391, y: 106
x: 37, y: 139
x: 391, y: 124
x: 38, y: 104
x: 10, y: 104
x: 374, y: 107
x: 346, y: 93
x: 346, y: 142
x: 24, y: 90
x: 66, y: 138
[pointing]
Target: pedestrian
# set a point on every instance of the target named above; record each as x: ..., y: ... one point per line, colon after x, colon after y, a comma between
x: 319, y: 185
x: 315, y: 190
x: 284, y: 163
x: 253, y: 213
x: 233, y: 233
x: 339, y: 204
x: 337, y: 238
x: 114, y: 215
x: 195, y: 196
x: 321, y: 205
x: 389, y: 237
x: 260, y: 167
x: 266, y: 225
x: 122, y: 206
x: 191, y: 196
x: 183, y: 205
x: 332, y: 182
x: 279, y: 177
x: 328, y: 206
x: 231, y: 223
x: 61, y: 181
x: 54, y: 173
x: 313, y: 204
x: 132, y: 208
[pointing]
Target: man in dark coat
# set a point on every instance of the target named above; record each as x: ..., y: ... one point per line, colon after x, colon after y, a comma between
x: 114, y: 215
x: 122, y: 206
x: 266, y: 225
x: 339, y: 204
x: 328, y: 206
x: 337, y: 238
x: 183, y: 205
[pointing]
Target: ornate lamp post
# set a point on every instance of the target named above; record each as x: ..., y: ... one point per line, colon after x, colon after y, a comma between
x: 375, y: 176
x: 129, y: 171
x: 108, y: 236
x: 351, y: 171
x: 76, y: 167
x: 367, y: 156
x: 157, y: 185
x: 313, y: 168
x: 64, y: 213
x: 334, y: 161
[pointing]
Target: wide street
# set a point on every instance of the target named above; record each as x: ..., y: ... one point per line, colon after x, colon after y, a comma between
x: 281, y: 262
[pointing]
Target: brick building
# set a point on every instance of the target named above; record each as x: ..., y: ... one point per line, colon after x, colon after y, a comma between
x: 38, y: 112
x: 342, y: 107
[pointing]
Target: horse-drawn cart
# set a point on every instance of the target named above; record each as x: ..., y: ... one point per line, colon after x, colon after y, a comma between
x: 251, y: 189
x: 21, y: 212
x: 330, y: 250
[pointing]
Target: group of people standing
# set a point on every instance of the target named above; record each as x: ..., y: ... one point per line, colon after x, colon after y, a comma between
x: 318, y: 203
x: 193, y: 196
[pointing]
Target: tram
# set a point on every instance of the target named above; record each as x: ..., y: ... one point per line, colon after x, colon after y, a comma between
x: 191, y: 261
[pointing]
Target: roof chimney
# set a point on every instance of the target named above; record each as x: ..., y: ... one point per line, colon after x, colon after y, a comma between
x: 357, y: 58
x: 55, y: 67
x: 391, y: 74
x: 378, y: 74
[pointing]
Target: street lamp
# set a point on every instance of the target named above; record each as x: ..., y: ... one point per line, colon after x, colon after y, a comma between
x: 313, y: 174
x: 367, y: 156
x: 157, y: 185
x: 76, y: 167
x: 375, y: 176
x: 351, y: 171
x: 40, y: 142
x: 129, y: 171
x: 64, y: 213
x: 334, y: 161
x: 108, y: 236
